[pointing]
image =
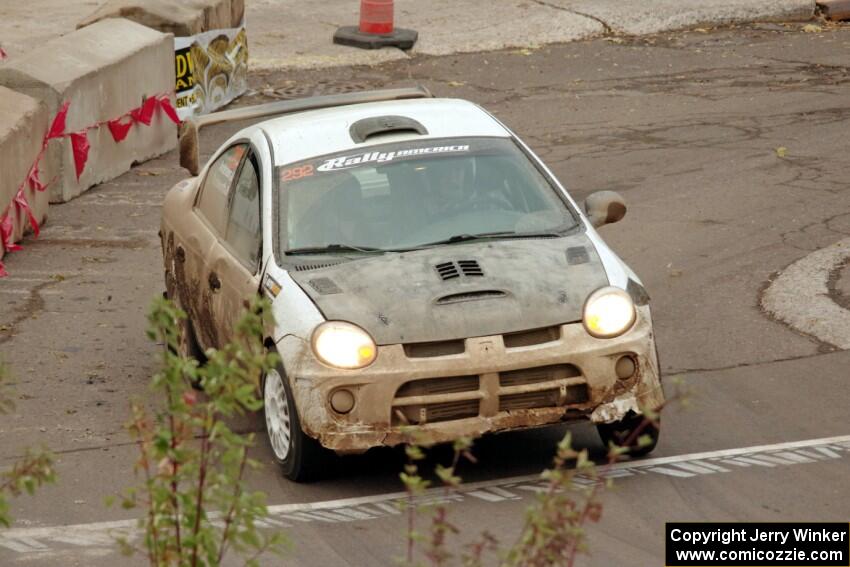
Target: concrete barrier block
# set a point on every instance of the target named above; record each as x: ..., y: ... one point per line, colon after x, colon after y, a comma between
x: 237, y: 12
x: 183, y: 19
x: 104, y: 70
x: 23, y: 121
x: 217, y: 12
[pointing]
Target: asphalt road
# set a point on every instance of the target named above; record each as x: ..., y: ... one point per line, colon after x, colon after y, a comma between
x: 686, y: 126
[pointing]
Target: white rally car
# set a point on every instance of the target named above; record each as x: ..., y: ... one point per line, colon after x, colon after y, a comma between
x: 428, y: 275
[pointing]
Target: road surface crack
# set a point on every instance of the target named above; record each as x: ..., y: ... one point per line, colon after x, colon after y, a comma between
x: 596, y: 19
x: 673, y: 372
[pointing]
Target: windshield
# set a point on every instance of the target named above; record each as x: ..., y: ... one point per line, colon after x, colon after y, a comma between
x: 413, y: 194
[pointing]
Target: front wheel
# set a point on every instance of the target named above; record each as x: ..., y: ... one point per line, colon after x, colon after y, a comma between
x: 300, y: 456
x: 624, y: 433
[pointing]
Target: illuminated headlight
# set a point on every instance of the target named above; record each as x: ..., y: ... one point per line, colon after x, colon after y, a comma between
x: 343, y: 345
x: 608, y: 312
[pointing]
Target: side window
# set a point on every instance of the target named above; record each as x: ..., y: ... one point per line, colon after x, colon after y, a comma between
x: 213, y: 202
x: 243, y: 223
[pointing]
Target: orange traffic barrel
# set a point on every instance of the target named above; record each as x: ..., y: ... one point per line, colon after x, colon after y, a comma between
x: 376, y: 16
x: 377, y: 28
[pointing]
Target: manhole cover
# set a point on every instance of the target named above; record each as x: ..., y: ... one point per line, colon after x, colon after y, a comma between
x: 291, y: 91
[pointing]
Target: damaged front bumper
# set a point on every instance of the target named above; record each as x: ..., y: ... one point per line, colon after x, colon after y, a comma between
x: 442, y: 391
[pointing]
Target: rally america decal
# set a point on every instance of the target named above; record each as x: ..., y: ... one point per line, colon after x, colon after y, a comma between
x: 347, y: 162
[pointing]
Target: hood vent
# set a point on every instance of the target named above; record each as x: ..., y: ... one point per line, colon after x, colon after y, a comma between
x: 471, y: 296
x: 577, y: 255
x: 447, y: 270
x: 325, y: 286
x: 470, y: 268
x: 451, y: 270
x: 308, y: 267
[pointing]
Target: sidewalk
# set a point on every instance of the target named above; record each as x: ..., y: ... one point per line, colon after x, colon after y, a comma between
x: 292, y: 34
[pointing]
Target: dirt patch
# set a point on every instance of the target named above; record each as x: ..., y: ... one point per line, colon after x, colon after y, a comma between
x: 838, y: 284
x: 34, y: 304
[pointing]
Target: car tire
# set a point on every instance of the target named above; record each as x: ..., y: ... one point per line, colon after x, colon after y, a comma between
x: 619, y: 433
x: 300, y: 456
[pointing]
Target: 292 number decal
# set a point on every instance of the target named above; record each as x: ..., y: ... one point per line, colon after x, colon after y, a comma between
x: 296, y: 173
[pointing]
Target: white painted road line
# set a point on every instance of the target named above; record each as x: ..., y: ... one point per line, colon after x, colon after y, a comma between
x: 799, y: 296
x: 98, y: 534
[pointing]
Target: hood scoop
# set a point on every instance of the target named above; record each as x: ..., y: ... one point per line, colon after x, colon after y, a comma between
x: 451, y: 270
x: 471, y: 296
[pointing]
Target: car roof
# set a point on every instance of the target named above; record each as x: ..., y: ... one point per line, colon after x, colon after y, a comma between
x: 304, y: 135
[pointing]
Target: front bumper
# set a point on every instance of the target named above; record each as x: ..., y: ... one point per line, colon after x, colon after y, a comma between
x: 496, y: 383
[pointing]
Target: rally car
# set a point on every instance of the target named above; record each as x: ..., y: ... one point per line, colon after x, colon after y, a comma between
x: 429, y: 276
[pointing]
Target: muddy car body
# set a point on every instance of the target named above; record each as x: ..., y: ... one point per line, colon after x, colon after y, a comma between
x: 428, y: 274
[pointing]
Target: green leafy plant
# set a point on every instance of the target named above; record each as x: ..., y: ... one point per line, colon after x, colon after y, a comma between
x: 440, y: 527
x: 192, y: 463
x: 554, y: 530
x: 29, y: 472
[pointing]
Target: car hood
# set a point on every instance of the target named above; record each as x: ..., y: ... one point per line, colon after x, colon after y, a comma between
x: 457, y: 291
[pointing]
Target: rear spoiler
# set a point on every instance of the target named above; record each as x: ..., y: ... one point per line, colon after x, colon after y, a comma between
x: 189, y: 150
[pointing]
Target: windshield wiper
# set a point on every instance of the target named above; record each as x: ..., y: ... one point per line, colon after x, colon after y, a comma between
x: 330, y: 248
x: 488, y: 235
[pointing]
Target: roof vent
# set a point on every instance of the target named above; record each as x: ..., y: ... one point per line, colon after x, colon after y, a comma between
x: 367, y: 128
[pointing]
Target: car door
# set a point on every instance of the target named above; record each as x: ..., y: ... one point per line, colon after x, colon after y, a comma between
x: 203, y: 246
x: 234, y: 277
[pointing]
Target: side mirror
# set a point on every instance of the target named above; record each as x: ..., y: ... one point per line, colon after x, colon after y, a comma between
x: 604, y: 207
x: 189, y: 151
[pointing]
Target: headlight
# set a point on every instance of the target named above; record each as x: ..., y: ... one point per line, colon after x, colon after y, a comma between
x: 343, y: 345
x: 608, y: 312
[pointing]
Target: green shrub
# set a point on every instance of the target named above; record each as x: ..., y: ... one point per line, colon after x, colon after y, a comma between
x: 192, y: 463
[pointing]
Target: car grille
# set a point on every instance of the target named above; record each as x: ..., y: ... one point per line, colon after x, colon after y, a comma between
x: 537, y: 375
x: 431, y: 400
x: 566, y: 396
x: 532, y: 337
x: 434, y: 413
x: 412, y: 404
x: 520, y: 339
x: 432, y: 386
x: 436, y: 348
